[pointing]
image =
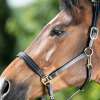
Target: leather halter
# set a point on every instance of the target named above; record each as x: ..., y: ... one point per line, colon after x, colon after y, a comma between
x: 87, y: 53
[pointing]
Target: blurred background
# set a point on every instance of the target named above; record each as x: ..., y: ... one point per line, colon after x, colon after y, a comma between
x: 20, y: 23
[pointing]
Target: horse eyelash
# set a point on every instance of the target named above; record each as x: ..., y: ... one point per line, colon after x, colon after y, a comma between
x: 57, y: 31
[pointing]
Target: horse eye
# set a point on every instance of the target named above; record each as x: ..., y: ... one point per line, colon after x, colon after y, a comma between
x: 57, y: 31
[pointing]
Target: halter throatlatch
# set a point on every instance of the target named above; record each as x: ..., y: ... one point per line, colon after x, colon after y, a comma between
x: 88, y: 52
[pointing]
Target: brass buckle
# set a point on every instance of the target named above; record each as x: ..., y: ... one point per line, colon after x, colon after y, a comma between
x: 45, y: 80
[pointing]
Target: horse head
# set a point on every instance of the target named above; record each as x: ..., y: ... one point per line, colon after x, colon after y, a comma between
x: 62, y: 39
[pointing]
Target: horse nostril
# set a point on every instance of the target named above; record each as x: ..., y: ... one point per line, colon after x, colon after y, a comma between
x: 5, y: 88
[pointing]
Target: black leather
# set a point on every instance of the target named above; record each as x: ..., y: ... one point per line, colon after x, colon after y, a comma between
x: 96, y: 10
x: 31, y: 64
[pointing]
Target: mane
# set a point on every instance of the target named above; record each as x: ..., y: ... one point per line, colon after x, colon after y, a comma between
x: 70, y: 4
x: 75, y: 7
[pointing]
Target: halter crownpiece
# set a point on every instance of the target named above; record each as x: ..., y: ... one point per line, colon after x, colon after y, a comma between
x: 87, y: 53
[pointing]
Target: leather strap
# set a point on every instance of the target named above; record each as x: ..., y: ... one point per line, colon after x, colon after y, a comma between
x: 66, y: 66
x: 50, y: 91
x: 31, y: 64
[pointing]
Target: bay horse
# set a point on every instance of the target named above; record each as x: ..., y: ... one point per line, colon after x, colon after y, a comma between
x: 61, y: 40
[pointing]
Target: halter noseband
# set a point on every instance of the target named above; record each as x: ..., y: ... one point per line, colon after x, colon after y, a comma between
x: 87, y: 53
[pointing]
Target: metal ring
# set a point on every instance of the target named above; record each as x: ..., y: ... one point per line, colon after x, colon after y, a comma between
x: 52, y: 97
x: 94, y: 33
x: 88, y: 51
